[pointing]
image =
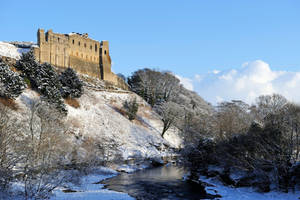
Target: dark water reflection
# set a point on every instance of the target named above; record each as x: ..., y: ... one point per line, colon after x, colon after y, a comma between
x: 158, y: 183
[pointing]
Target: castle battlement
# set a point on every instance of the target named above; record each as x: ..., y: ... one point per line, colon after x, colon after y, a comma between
x: 78, y: 51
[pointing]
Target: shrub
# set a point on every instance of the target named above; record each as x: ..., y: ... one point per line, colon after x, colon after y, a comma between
x: 11, y: 84
x: 131, y: 107
x: 259, y: 153
x: 72, y: 86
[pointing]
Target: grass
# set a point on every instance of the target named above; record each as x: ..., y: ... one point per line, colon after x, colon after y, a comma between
x: 10, y: 103
x: 72, y: 102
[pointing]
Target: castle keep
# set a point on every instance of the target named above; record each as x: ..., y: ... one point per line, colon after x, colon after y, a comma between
x: 78, y: 51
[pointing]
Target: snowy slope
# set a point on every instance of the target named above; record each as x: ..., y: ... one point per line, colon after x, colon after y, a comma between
x: 99, y: 119
x: 9, y: 50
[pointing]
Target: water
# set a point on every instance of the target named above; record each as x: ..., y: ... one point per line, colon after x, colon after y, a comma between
x: 157, y: 184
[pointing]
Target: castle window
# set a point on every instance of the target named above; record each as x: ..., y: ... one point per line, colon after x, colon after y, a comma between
x: 95, y: 47
x: 78, y: 43
x: 58, y: 39
x: 91, y: 47
x: 104, y: 52
x: 84, y: 45
x: 73, y: 41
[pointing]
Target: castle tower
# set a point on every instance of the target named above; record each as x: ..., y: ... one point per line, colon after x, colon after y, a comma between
x: 40, y: 36
x: 78, y: 51
x: 44, y: 49
x: 105, y: 61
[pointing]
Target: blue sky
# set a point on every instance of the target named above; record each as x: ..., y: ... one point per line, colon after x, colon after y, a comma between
x: 185, y: 37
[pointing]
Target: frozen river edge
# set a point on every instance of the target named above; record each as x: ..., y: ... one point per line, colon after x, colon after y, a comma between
x: 89, y: 188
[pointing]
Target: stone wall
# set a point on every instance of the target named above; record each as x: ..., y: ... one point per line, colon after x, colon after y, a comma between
x: 85, y: 67
x: 77, y: 51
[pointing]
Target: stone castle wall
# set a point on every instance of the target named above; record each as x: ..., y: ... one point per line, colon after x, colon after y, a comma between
x: 79, y: 52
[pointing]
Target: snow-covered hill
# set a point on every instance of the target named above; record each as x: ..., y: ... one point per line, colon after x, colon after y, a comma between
x: 10, y: 50
x: 99, y: 119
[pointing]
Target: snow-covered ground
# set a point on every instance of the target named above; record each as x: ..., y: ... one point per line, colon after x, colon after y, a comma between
x: 88, y: 190
x: 99, y: 118
x: 84, y: 187
x: 9, y: 50
x: 231, y: 193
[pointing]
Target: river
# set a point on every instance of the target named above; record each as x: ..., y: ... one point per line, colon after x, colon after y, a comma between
x: 156, y: 184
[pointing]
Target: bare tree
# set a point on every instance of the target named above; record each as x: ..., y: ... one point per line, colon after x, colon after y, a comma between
x: 154, y: 86
x: 287, y: 121
x: 269, y: 104
x: 170, y: 112
x: 44, y: 149
x: 8, y: 141
x: 232, y: 118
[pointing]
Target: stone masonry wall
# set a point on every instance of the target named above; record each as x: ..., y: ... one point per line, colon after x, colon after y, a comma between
x: 77, y: 51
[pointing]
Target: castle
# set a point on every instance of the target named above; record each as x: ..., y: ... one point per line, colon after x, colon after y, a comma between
x: 78, y: 51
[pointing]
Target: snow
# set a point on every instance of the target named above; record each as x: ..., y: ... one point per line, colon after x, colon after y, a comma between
x: 245, y: 193
x: 98, y: 118
x: 9, y: 50
x: 92, y: 195
x: 87, y: 189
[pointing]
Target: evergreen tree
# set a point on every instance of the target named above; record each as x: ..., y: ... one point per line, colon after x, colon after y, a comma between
x: 131, y: 107
x: 43, y: 79
x: 72, y: 86
x: 11, y: 84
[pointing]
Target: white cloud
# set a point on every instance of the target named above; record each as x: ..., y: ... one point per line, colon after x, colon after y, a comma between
x: 246, y: 83
x: 186, y: 82
x: 215, y: 71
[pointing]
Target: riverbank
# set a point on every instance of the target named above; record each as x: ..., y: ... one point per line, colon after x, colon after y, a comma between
x: 167, y: 182
x: 245, y: 193
x: 164, y: 182
x: 160, y: 183
x: 88, y: 187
